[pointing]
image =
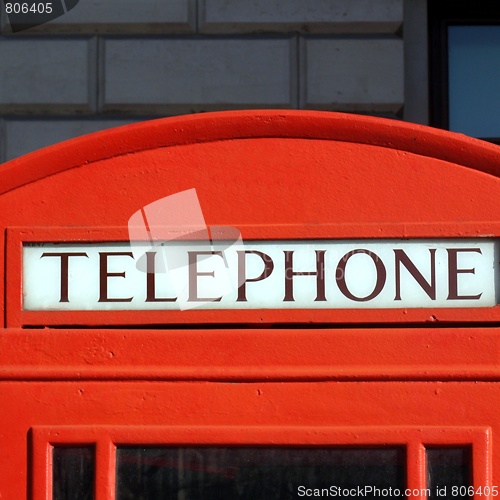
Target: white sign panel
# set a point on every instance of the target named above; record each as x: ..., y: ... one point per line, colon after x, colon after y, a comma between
x: 316, y: 274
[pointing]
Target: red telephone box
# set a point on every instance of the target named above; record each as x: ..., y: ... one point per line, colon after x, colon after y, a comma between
x: 261, y: 304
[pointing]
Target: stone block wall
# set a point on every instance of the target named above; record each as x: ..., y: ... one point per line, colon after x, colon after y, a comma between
x: 112, y: 62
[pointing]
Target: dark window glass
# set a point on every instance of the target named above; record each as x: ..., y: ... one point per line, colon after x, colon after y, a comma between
x: 449, y: 472
x: 254, y: 473
x: 73, y: 473
x: 464, y: 43
x: 473, y: 76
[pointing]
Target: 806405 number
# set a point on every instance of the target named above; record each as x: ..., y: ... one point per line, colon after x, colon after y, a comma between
x: 26, y: 8
x: 470, y: 491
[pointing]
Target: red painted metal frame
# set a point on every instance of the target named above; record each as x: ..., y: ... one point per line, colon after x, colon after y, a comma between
x: 245, y: 377
x: 238, y: 355
x: 118, y: 147
x: 105, y: 439
x: 196, y: 129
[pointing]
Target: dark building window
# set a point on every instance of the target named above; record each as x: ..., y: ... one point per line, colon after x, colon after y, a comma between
x: 464, y: 54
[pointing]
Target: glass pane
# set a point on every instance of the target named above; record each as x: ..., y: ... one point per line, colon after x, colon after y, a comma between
x: 449, y: 472
x: 73, y: 473
x: 474, y: 73
x: 256, y: 473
